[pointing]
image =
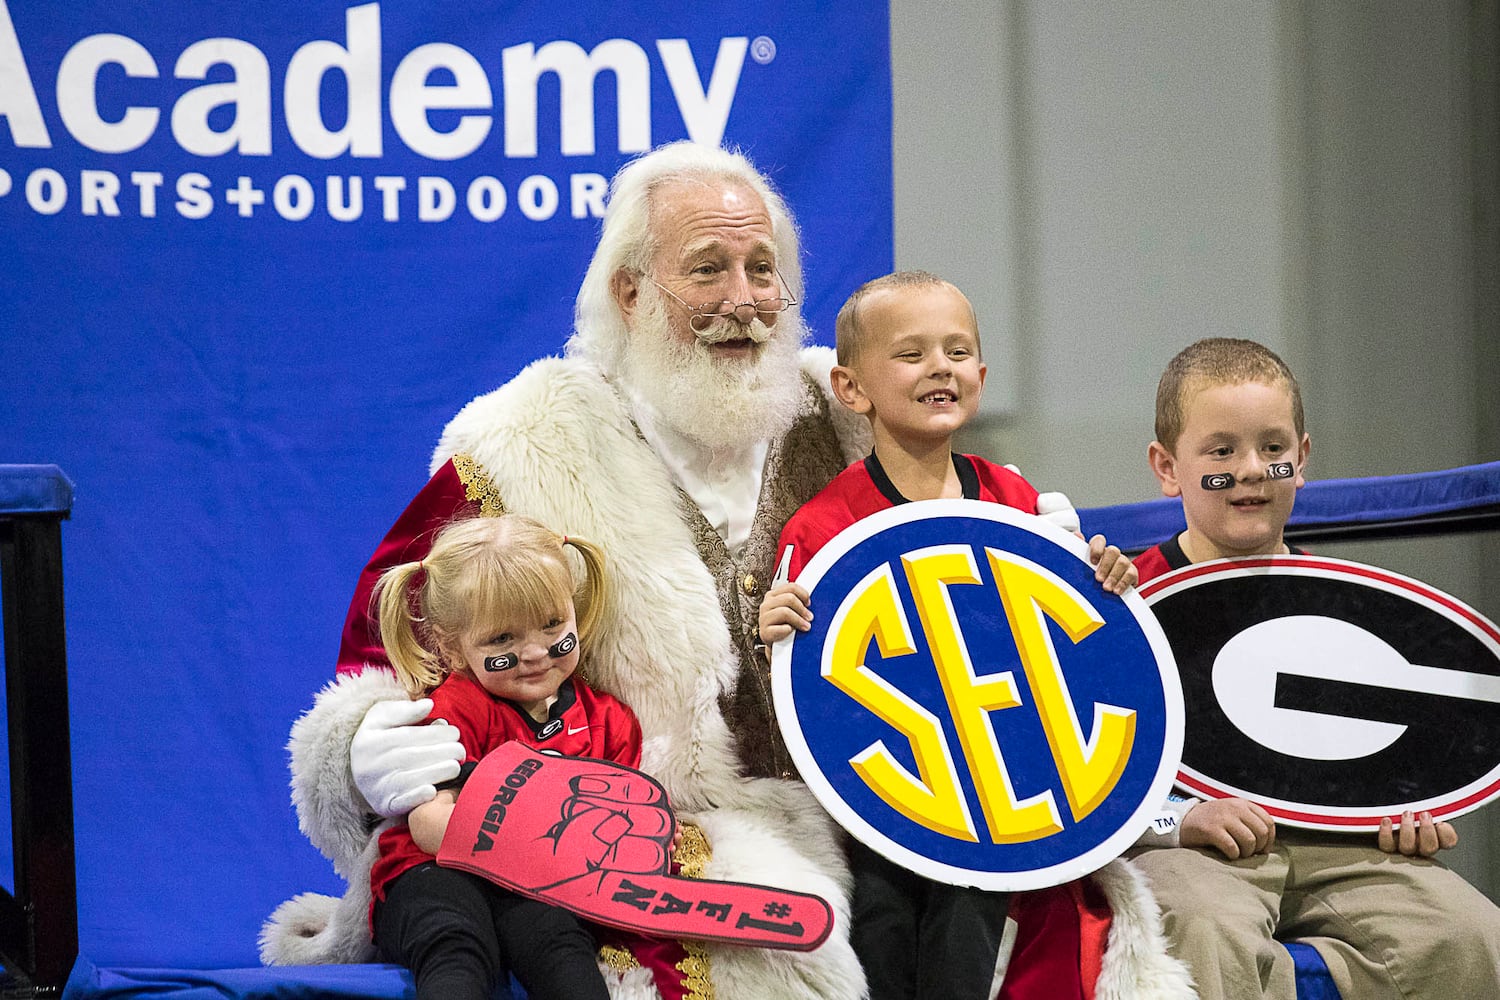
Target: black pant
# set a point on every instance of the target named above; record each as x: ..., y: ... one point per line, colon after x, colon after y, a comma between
x: 922, y: 939
x: 461, y: 935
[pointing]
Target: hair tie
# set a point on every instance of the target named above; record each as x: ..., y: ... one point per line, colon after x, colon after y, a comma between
x: 565, y: 539
x: 421, y: 565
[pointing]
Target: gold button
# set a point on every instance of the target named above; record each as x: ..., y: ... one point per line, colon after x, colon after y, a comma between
x: 749, y: 584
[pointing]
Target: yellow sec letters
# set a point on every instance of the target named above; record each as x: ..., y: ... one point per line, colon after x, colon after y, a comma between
x: 930, y: 572
x: 872, y: 612
x: 1031, y: 594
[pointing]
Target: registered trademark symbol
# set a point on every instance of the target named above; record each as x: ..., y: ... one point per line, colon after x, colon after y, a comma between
x: 763, y: 49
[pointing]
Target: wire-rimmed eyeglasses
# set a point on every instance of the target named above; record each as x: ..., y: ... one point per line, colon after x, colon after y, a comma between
x: 700, y: 316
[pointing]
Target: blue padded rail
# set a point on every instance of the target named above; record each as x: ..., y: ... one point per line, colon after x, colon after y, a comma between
x: 322, y: 982
x: 1462, y: 499
x: 284, y: 982
x: 35, y: 489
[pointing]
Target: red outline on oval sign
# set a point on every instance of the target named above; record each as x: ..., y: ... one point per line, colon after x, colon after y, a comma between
x: 1454, y: 808
x: 1368, y: 822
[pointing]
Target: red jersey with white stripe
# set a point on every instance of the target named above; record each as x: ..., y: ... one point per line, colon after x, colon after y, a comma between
x: 864, y: 488
x: 1167, y: 556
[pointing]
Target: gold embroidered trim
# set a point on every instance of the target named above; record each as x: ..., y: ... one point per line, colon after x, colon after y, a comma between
x: 617, y: 959
x: 477, y: 486
x: 695, y: 972
x: 692, y: 856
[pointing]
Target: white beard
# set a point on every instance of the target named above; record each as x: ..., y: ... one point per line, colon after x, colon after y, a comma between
x: 723, y: 404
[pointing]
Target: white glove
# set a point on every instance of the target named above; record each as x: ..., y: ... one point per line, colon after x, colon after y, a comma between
x: 1055, y: 507
x: 397, y: 764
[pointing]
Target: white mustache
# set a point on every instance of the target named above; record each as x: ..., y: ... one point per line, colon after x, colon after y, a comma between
x: 727, y: 328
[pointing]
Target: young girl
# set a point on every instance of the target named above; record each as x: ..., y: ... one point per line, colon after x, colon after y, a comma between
x: 487, y: 624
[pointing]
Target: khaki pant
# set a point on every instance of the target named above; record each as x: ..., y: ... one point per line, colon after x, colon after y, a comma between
x: 1387, y: 925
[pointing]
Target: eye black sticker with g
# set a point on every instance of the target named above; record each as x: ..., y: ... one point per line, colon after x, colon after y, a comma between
x: 563, y: 646
x: 1225, y: 480
x: 505, y: 661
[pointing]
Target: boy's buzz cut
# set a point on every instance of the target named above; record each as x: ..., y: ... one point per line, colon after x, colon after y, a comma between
x: 1216, y: 361
x: 847, y: 332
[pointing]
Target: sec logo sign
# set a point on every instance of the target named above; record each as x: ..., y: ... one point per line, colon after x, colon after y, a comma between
x: 1332, y: 693
x: 971, y: 704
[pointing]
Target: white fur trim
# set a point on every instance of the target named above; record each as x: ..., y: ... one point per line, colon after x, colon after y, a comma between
x: 311, y: 929
x: 1136, y: 963
x: 329, y: 809
x: 756, y: 846
x: 636, y: 984
x: 853, y: 429
x: 1002, y: 960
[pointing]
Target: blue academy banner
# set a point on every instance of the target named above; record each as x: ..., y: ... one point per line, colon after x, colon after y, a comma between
x: 254, y: 256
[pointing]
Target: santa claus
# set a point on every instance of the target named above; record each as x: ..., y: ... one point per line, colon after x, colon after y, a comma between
x: 685, y: 423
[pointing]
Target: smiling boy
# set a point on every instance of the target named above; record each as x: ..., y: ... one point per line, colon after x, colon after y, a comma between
x: 1388, y: 919
x: 909, y: 361
x: 1240, y: 434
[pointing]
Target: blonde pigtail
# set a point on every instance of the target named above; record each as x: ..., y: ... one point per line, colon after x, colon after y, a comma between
x: 595, y: 596
x: 419, y: 669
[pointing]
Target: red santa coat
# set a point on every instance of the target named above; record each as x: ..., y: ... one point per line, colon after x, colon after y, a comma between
x: 455, y: 491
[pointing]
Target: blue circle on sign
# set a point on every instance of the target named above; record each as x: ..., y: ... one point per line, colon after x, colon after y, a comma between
x: 971, y: 703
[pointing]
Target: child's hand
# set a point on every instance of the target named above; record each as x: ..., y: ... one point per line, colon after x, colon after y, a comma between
x: 428, y: 821
x: 1425, y: 837
x: 782, y: 610
x: 1238, y: 828
x: 1112, y: 567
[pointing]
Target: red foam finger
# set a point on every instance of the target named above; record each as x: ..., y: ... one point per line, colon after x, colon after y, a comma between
x: 638, y: 855
x: 520, y: 822
x: 619, y: 785
x: 588, y: 836
x: 731, y: 912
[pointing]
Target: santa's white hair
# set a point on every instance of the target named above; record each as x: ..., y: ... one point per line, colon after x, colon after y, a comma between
x: 628, y: 243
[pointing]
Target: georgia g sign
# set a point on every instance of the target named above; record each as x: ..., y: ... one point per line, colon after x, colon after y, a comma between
x: 971, y: 704
x: 1332, y: 693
